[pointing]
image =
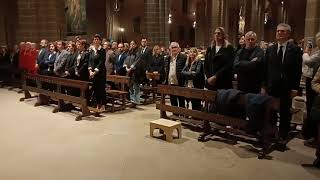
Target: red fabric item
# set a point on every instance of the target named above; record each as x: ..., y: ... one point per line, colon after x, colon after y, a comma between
x: 28, y: 61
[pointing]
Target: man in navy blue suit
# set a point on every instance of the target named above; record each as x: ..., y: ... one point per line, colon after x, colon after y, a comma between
x: 119, y: 60
x: 43, y: 53
x: 283, y: 74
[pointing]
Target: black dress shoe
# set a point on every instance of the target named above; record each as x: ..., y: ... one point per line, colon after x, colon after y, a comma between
x: 203, y: 137
x: 316, y: 163
x: 282, y: 145
x: 312, y: 143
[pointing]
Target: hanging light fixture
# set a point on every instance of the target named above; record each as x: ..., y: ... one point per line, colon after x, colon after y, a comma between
x: 170, y: 20
x: 116, y: 6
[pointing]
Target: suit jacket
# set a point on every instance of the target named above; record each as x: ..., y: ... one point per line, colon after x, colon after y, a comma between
x: 81, y: 66
x: 180, y: 63
x: 49, y: 63
x: 71, y: 63
x: 220, y: 65
x: 249, y: 74
x: 118, y: 65
x: 96, y: 63
x: 60, y: 63
x: 43, y: 53
x: 145, y: 56
x: 282, y: 77
x: 109, y: 63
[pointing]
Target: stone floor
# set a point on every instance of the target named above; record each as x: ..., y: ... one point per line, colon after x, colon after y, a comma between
x: 39, y: 145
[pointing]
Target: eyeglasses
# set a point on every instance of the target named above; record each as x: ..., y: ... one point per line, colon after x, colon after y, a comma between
x: 172, y: 47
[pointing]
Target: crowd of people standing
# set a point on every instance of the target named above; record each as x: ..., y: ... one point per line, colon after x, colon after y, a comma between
x: 273, y: 70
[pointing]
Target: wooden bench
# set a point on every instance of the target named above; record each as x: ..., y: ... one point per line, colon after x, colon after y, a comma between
x: 167, y: 126
x: 151, y: 89
x: 40, y: 83
x: 121, y: 95
x: 230, y: 125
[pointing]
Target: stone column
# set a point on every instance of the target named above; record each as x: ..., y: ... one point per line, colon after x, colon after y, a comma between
x: 109, y: 19
x: 156, y: 21
x: 201, y: 27
x: 312, y: 21
x: 216, y: 17
x: 260, y: 32
x: 254, y: 17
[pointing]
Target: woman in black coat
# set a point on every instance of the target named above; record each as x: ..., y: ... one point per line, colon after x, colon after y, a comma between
x: 157, y: 63
x: 97, y: 71
x: 219, y: 61
x: 194, y: 75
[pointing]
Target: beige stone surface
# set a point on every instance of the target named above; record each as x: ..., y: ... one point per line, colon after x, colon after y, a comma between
x: 39, y: 145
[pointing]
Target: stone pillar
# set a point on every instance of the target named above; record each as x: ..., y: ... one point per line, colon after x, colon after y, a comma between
x: 232, y: 16
x: 260, y: 32
x: 312, y: 21
x: 255, y: 17
x: 216, y: 17
x: 39, y: 19
x: 201, y: 27
x: 109, y: 20
x: 156, y: 21
x: 216, y: 13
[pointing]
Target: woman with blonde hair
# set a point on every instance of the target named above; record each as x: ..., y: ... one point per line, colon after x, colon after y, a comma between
x: 157, y: 62
x: 218, y: 62
x: 194, y: 75
x: 218, y: 68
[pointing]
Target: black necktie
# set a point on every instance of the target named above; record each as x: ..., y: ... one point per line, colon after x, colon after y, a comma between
x: 280, y: 54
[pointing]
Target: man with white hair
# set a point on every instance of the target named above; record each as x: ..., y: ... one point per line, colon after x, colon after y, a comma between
x: 174, y: 63
x: 283, y: 74
x: 248, y: 65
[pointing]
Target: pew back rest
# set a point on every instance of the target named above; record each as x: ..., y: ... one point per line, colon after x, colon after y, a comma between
x: 40, y: 80
x: 123, y: 80
x: 207, y: 96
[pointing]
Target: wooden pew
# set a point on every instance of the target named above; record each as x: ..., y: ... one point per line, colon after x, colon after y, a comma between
x: 231, y: 125
x: 119, y: 95
x: 152, y: 89
x: 39, y: 84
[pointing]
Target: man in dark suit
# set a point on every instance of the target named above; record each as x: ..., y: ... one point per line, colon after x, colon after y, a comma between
x: 43, y: 53
x: 173, y: 65
x: 248, y: 65
x: 119, y: 60
x: 145, y: 52
x: 283, y: 73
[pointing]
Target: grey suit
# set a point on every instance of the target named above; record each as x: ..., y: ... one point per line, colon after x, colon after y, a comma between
x: 60, y: 63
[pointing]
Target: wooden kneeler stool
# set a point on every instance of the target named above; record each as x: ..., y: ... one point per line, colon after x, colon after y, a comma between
x: 167, y: 126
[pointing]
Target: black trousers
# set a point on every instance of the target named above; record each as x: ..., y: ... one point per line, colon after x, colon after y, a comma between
x: 196, y: 104
x: 283, y: 93
x: 285, y: 114
x: 309, y: 128
x: 98, y: 87
x: 177, y: 100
